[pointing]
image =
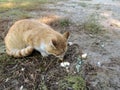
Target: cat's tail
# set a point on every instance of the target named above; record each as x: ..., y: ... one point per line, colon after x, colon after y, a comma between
x: 20, y: 53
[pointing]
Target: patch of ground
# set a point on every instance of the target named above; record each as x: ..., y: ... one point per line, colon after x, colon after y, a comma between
x: 37, y: 73
x: 95, y: 27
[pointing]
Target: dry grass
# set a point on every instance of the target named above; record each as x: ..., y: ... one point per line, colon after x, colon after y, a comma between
x: 92, y: 26
x: 20, y: 8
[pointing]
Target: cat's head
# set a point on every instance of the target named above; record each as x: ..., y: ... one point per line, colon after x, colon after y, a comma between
x: 58, y: 46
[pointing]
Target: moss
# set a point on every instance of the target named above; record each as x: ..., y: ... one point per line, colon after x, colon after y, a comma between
x: 72, y: 82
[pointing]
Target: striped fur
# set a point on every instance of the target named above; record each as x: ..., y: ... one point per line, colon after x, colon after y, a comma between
x: 26, y: 35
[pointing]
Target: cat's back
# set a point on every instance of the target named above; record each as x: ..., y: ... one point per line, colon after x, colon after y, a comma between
x: 27, y: 24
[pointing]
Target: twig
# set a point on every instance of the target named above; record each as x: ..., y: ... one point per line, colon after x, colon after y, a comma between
x: 49, y: 65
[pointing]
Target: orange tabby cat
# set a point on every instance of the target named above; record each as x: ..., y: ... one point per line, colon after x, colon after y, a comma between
x: 26, y: 35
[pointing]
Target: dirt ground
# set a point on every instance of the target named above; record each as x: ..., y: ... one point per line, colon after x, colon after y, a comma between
x: 95, y: 29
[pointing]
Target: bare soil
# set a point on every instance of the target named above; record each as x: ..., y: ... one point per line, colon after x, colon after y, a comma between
x: 101, y: 69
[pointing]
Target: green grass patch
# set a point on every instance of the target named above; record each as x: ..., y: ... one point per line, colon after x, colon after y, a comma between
x: 64, y: 22
x: 72, y: 83
x: 21, y: 4
x: 17, y: 5
x: 20, y: 9
x: 61, y: 23
x: 4, y: 57
x: 92, y: 26
x: 17, y: 13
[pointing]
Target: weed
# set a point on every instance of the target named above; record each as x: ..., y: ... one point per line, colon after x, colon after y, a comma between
x: 92, y: 26
x: 43, y: 86
x: 64, y: 22
x: 72, y: 82
x: 17, y: 13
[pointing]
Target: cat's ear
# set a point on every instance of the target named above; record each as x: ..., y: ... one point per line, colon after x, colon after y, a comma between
x: 66, y: 35
x: 53, y: 43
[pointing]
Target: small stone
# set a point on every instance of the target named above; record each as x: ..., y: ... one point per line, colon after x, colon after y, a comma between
x: 7, y: 80
x: 21, y: 88
x: 57, y: 83
x: 74, y: 72
x: 102, y: 45
x: 64, y: 64
x: 99, y: 64
x: 90, y: 35
x: 84, y: 56
x: 22, y: 69
x: 70, y: 43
